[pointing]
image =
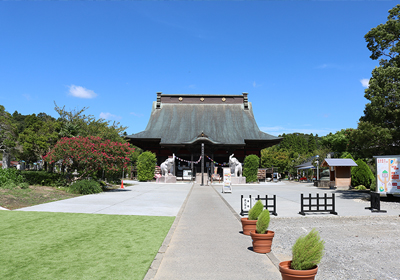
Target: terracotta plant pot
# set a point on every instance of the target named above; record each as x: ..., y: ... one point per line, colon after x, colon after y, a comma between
x: 291, y: 274
x: 262, y: 242
x: 248, y: 225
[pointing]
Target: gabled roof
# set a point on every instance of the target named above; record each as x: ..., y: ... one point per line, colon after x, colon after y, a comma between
x: 228, y: 122
x: 338, y: 162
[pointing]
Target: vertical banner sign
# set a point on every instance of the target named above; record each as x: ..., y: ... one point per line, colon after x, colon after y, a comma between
x: 387, y: 175
x: 226, y: 187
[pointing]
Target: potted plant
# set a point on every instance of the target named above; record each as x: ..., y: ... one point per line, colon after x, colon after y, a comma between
x: 307, y: 253
x: 249, y: 223
x: 262, y: 238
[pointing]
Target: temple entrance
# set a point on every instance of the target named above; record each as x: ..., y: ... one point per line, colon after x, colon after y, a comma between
x: 180, y: 124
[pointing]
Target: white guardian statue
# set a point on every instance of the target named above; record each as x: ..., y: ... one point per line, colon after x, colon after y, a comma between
x: 167, y: 165
x: 235, y: 166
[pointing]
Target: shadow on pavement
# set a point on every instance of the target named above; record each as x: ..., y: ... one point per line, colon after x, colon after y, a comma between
x: 353, y: 194
x: 118, y: 190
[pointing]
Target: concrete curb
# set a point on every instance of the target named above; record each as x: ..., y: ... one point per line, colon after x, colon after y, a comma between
x: 270, y: 255
x: 151, y: 273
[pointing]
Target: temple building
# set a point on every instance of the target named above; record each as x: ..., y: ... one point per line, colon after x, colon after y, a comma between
x: 180, y: 124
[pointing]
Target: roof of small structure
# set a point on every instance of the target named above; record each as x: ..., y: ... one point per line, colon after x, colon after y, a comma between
x: 186, y: 119
x: 339, y: 162
x: 307, y: 165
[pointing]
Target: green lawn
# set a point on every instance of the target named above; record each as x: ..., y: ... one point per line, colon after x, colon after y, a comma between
x: 41, y: 245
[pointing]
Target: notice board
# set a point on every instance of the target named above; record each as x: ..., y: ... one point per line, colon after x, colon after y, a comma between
x: 226, y: 187
x: 387, y: 174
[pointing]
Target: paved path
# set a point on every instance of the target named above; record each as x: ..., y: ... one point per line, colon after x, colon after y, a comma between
x: 207, y: 244
x: 205, y: 240
x: 148, y: 199
x: 348, y: 203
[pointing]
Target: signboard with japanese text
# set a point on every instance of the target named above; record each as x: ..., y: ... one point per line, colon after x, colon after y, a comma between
x: 248, y: 203
x: 387, y: 174
x: 226, y: 187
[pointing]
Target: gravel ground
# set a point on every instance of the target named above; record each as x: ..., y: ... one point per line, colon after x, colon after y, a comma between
x: 366, y: 247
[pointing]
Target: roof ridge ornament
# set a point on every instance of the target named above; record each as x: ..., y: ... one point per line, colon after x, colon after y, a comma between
x: 202, y: 135
x: 158, y: 105
x: 245, y: 101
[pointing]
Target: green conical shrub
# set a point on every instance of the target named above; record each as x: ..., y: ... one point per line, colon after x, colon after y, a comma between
x: 256, y: 210
x: 250, y: 169
x: 146, y: 164
x: 263, y: 222
x: 307, y: 251
x: 361, y: 174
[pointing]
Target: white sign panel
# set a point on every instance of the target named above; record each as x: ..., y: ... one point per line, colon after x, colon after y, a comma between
x: 246, y: 203
x: 226, y: 187
x: 387, y: 175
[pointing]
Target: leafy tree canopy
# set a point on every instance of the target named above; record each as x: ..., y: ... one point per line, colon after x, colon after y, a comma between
x: 76, y: 123
x: 8, y: 135
x: 381, y: 118
x: 90, y: 154
x: 384, y: 40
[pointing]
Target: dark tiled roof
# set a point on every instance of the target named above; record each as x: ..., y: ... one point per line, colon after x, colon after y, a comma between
x: 228, y: 124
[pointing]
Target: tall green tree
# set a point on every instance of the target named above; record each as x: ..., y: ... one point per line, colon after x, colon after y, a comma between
x: 39, y: 136
x: 338, y: 142
x: 384, y: 40
x: 272, y: 157
x: 382, y: 113
x: 76, y: 123
x: 8, y: 136
x: 312, y: 143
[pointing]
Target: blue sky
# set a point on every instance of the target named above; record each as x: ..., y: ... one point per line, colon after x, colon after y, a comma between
x: 303, y: 63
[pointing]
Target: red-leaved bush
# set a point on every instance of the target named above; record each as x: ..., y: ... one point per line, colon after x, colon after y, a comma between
x: 90, y: 154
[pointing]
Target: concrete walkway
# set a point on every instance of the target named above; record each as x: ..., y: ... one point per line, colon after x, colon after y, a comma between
x: 148, y: 199
x: 205, y: 241
x: 207, y: 244
x: 348, y: 203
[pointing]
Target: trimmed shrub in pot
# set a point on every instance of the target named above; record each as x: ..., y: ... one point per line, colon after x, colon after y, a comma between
x: 249, y: 223
x: 263, y: 222
x: 256, y: 210
x: 307, y: 253
x: 262, y: 239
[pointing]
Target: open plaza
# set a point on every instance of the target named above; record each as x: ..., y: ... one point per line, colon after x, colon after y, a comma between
x: 205, y: 240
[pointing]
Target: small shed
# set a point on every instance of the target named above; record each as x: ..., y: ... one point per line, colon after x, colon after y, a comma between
x: 340, y: 171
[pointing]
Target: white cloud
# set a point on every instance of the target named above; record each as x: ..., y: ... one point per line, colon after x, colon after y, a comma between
x: 27, y: 96
x: 255, y: 84
x: 136, y: 114
x: 322, y: 66
x: 109, y: 116
x: 365, y: 82
x: 332, y: 66
x: 81, y: 92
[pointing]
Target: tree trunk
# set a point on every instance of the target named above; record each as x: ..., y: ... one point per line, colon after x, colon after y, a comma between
x: 6, y: 160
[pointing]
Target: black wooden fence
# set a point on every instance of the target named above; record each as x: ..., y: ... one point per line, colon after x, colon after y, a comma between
x: 317, y: 204
x: 270, y: 204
